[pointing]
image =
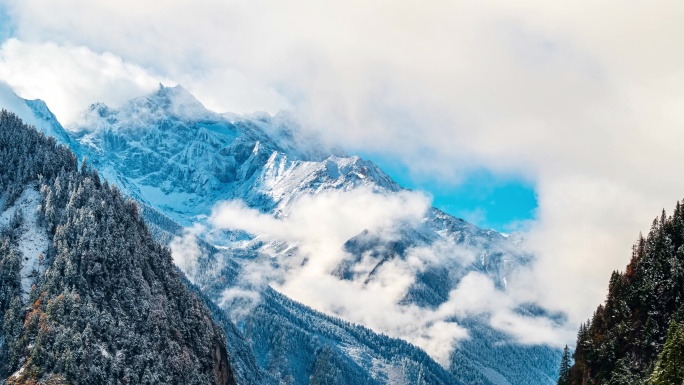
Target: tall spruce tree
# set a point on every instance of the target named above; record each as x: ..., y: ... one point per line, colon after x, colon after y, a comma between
x: 564, y: 372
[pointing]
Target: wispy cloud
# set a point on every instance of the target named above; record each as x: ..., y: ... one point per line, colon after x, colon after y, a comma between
x: 71, y: 77
x: 186, y: 252
x: 318, y: 226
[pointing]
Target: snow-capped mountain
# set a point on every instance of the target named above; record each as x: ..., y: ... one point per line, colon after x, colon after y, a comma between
x: 180, y: 159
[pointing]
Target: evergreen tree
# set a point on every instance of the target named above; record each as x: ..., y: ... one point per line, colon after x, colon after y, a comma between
x: 669, y: 368
x: 110, y: 307
x: 564, y: 372
x: 636, y: 335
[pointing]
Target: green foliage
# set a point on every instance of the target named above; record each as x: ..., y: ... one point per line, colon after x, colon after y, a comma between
x: 669, y: 368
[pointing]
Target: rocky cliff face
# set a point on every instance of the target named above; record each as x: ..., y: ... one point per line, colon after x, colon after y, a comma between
x: 222, y: 370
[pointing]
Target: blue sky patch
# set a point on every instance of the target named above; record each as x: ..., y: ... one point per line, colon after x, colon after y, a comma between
x: 502, y: 203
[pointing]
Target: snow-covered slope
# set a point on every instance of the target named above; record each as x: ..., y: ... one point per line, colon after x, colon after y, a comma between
x: 35, y: 113
x: 173, y: 154
x: 104, y: 303
x: 180, y: 160
x: 32, y: 240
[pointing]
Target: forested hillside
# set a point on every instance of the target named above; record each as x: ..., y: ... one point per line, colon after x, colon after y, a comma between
x: 637, y: 337
x: 100, y: 302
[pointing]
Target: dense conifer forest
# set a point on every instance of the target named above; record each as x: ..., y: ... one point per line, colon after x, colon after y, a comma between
x: 637, y: 335
x: 105, y: 304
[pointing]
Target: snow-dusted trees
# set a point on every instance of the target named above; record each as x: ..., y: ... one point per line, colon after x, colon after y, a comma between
x: 111, y: 308
x: 627, y: 339
x: 26, y: 155
x: 564, y: 372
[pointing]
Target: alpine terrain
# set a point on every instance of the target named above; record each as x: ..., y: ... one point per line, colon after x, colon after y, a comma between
x: 87, y: 296
x: 216, y: 188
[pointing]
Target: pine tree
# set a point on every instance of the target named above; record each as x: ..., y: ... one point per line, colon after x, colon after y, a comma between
x: 624, y: 342
x: 669, y: 368
x: 564, y: 373
x: 110, y: 306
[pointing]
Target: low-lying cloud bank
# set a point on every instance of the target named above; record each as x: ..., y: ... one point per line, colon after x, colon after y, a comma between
x: 315, y: 229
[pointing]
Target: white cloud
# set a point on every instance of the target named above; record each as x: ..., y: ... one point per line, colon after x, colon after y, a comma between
x: 321, y: 224
x: 239, y: 301
x: 186, y: 252
x: 11, y: 102
x: 476, y: 295
x: 318, y: 226
x: 583, y: 97
x: 69, y: 78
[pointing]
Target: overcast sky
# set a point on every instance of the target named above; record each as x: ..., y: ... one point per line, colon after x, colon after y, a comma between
x: 584, y: 100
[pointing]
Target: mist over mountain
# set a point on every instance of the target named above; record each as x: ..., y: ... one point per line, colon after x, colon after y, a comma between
x: 255, y: 211
x: 357, y: 192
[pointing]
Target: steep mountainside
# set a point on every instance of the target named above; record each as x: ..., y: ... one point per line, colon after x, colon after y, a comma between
x: 179, y: 159
x: 627, y: 339
x: 86, y: 295
x: 171, y: 153
x: 295, y: 343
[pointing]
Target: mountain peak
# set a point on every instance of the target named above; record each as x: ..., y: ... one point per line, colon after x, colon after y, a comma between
x: 177, y: 101
x: 166, y: 102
